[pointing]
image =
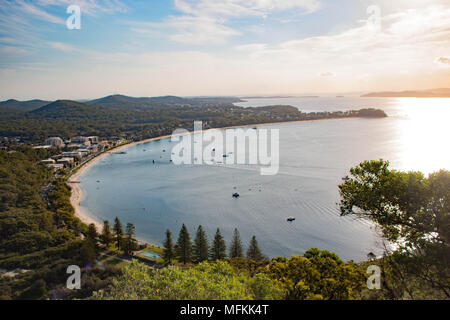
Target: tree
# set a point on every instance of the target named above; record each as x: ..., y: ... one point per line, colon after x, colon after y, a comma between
x: 205, y: 281
x: 184, y: 246
x: 106, y: 237
x: 169, y: 251
x: 218, y: 249
x: 87, y: 252
x: 129, y: 242
x: 317, y: 275
x: 118, y: 231
x: 37, y: 291
x: 200, y: 249
x: 253, y: 251
x: 414, y: 213
x: 92, y: 235
x: 236, y: 245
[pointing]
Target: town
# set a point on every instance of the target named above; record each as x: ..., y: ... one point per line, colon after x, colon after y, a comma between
x: 76, y: 151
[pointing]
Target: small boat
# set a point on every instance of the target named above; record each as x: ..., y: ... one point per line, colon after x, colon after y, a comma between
x: 236, y: 195
x: 290, y: 219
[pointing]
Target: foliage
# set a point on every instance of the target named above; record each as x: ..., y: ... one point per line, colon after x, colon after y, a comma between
x: 317, y: 275
x: 169, y: 251
x: 236, y: 250
x: 184, y: 246
x: 206, y: 281
x: 39, y: 233
x: 218, y: 248
x: 200, y: 248
x: 118, y: 232
x: 129, y: 242
x: 106, y: 237
x: 413, y: 212
x: 253, y: 251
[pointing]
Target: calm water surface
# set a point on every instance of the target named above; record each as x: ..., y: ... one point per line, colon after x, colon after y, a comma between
x: 314, y: 156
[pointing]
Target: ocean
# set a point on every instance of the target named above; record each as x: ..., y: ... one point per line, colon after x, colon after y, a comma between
x: 314, y: 157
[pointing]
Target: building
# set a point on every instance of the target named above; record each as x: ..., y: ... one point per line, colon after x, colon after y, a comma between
x: 81, y: 140
x: 94, y: 148
x: 56, y: 166
x: 83, y: 152
x: 93, y: 140
x: 75, y: 145
x: 55, y: 142
x: 66, y: 162
x: 73, y: 154
x: 48, y: 161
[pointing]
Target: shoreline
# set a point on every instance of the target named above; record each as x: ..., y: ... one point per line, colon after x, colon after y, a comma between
x: 77, y: 195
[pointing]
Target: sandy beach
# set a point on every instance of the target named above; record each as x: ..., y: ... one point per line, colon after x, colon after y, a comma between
x: 77, y: 195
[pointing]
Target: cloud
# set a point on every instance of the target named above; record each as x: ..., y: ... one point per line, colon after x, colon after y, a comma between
x: 252, y: 47
x: 199, y: 30
x: 205, y: 21
x: 12, y: 50
x: 443, y: 60
x: 90, y: 7
x: 61, y: 46
x: 237, y: 8
x: 21, y: 7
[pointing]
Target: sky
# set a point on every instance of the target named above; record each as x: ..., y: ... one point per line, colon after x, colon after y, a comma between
x: 221, y: 47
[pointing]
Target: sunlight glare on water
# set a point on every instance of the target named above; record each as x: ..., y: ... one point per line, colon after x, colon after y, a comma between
x: 424, y: 135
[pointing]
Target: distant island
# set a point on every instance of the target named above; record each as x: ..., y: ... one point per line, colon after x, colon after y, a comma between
x: 432, y: 93
x: 267, y: 97
x: 278, y: 97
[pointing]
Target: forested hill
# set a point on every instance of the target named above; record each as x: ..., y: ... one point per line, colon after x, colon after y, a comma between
x: 23, y: 105
x: 141, y: 118
x: 66, y: 109
x: 119, y: 101
x: 125, y: 102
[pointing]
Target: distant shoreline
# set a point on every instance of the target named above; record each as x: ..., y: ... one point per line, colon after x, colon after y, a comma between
x: 77, y: 195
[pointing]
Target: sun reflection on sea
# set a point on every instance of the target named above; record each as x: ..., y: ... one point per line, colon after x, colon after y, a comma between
x: 424, y: 133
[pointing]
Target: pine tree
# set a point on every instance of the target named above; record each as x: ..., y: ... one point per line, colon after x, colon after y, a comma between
x: 106, y: 236
x: 92, y: 233
x: 118, y: 231
x: 200, y: 246
x: 184, y: 246
x: 92, y: 236
x: 129, y: 243
x: 87, y: 252
x: 253, y: 251
x: 236, y: 245
x: 218, y: 250
x: 169, y: 251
